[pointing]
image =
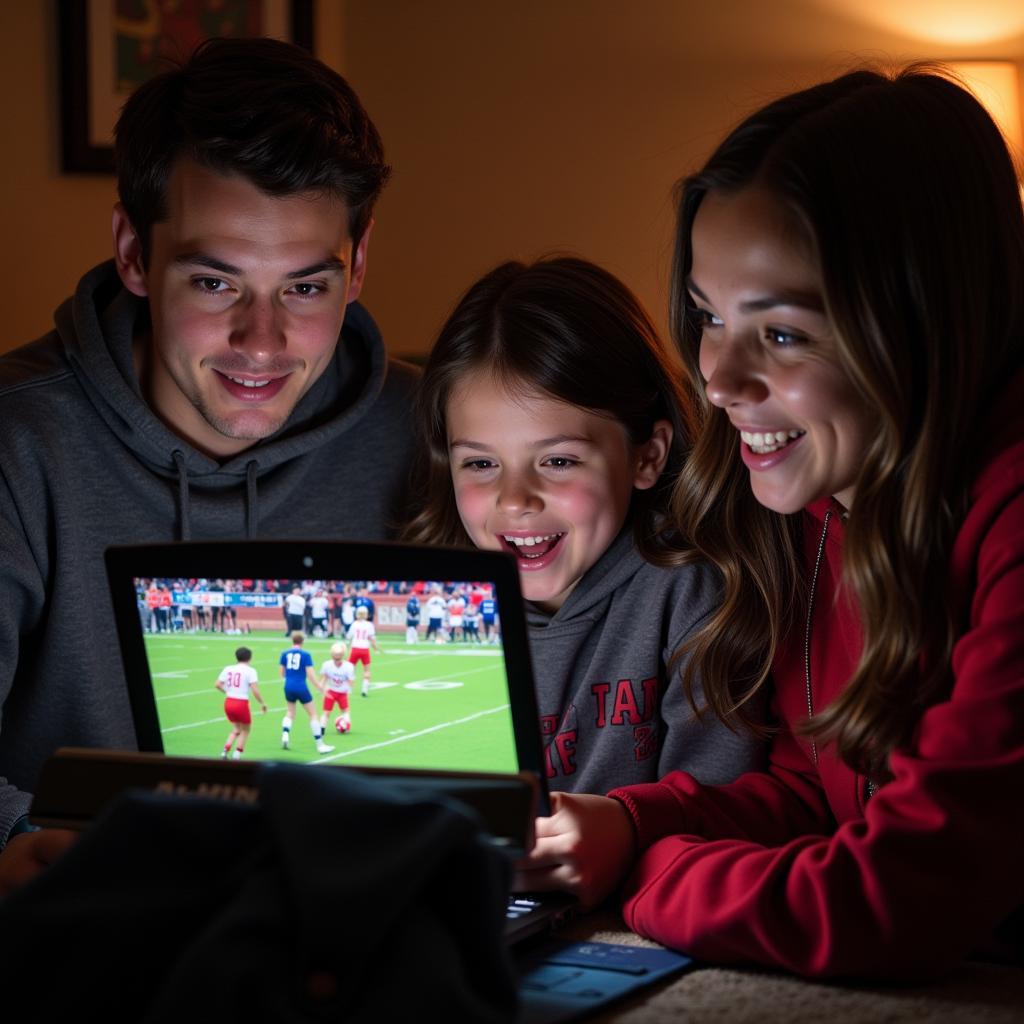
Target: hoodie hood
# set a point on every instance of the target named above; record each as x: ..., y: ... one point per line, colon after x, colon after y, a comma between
x: 588, y: 600
x: 96, y: 327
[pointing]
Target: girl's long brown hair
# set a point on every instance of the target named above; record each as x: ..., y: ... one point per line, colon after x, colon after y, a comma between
x: 909, y: 197
x: 566, y: 328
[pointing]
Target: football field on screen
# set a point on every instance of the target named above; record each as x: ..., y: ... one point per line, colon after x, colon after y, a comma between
x: 435, y: 706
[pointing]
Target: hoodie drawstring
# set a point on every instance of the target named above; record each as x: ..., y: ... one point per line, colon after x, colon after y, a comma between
x: 184, y: 503
x: 252, y: 505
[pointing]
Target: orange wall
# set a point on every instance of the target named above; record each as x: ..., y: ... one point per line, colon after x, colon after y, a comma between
x: 55, y: 226
x: 514, y: 129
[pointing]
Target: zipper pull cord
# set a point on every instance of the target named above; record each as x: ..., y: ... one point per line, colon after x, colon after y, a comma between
x: 807, y: 632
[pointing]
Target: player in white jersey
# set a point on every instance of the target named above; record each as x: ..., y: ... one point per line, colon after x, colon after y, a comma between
x: 319, y: 606
x: 361, y: 637
x: 236, y: 682
x: 336, y: 676
x: 456, y: 608
x: 348, y: 613
x: 295, y: 610
x: 471, y: 623
x: 436, y: 608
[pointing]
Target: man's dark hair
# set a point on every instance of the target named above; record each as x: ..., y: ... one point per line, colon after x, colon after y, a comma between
x: 243, y: 654
x: 261, y: 108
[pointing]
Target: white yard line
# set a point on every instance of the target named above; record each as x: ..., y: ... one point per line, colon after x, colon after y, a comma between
x: 356, y: 750
x: 410, y: 735
x: 373, y: 686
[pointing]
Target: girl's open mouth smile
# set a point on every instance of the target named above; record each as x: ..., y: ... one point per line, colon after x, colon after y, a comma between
x: 534, y: 550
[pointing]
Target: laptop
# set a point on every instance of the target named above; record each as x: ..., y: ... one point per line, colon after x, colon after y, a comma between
x: 448, y: 703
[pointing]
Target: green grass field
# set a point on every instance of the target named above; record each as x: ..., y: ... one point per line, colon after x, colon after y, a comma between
x: 442, y: 707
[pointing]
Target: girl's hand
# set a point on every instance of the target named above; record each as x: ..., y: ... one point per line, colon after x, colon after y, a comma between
x: 27, y: 854
x: 586, y: 847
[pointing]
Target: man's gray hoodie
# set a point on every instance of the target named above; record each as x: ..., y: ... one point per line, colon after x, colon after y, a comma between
x: 612, y: 712
x: 84, y: 463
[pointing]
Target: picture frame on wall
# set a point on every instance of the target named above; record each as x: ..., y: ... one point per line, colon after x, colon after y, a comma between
x: 109, y: 47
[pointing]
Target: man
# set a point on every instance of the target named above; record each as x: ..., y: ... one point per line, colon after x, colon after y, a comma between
x: 348, y: 610
x: 412, y: 619
x: 187, y: 622
x: 319, y: 604
x: 295, y: 610
x: 217, y: 610
x: 153, y: 605
x: 456, y: 608
x: 363, y: 600
x: 436, y: 608
x: 202, y: 620
x: 471, y: 622
x: 197, y: 386
x: 297, y: 673
x: 335, y: 610
x: 489, y: 617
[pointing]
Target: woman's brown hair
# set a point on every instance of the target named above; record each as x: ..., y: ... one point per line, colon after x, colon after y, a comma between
x: 909, y: 196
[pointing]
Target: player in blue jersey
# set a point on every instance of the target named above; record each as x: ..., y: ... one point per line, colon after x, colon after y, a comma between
x: 412, y: 619
x: 489, y: 617
x: 362, y: 600
x: 297, y: 673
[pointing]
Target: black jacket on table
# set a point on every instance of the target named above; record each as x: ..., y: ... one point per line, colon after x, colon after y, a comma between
x: 338, y: 896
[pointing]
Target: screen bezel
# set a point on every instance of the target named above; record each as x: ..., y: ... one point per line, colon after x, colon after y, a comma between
x: 291, y: 559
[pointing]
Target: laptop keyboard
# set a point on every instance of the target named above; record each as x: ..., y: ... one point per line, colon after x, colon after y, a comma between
x: 519, y: 906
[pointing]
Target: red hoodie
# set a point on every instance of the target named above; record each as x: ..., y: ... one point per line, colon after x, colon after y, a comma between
x: 796, y: 867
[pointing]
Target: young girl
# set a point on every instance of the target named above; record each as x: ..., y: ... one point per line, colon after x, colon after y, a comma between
x: 555, y: 427
x: 848, y: 287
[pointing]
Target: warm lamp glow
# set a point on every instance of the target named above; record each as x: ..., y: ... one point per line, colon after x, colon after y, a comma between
x: 997, y: 86
x: 948, y: 22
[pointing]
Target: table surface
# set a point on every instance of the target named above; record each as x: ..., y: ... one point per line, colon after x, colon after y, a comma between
x: 974, y: 993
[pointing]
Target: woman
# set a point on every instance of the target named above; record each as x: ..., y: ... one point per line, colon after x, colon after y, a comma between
x: 849, y: 295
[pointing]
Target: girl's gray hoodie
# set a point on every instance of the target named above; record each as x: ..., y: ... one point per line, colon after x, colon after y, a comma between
x: 612, y: 713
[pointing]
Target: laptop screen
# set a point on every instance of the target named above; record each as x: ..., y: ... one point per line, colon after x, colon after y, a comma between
x: 398, y: 673
x: 434, y: 637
